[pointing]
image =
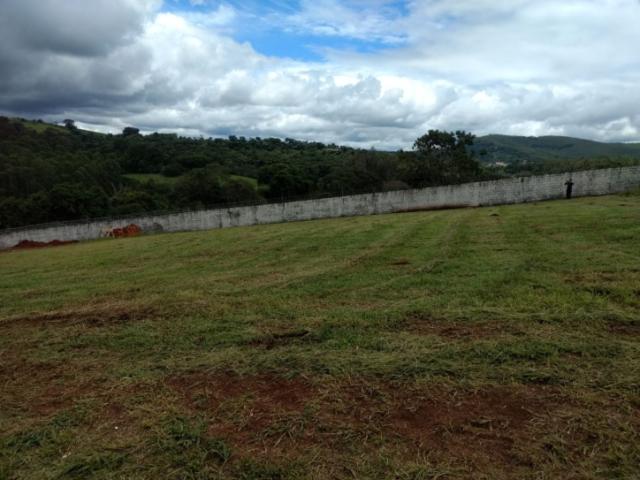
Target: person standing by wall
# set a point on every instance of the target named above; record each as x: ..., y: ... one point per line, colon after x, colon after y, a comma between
x: 569, y: 184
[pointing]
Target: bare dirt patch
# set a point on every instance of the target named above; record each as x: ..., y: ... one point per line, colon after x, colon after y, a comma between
x: 28, y: 244
x: 281, y: 339
x: 117, y: 408
x: 98, y: 315
x: 480, y: 425
x: 273, y: 415
x: 203, y: 391
x: 401, y: 262
x: 625, y: 329
x: 255, y: 414
x: 42, y: 388
x: 424, y: 325
x: 593, y: 278
x: 603, y: 284
x: 62, y: 395
x: 36, y: 391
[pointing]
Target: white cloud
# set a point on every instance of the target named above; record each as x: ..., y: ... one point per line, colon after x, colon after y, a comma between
x: 519, y: 67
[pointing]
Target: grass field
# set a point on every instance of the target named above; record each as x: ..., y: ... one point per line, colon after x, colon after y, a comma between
x: 483, y: 343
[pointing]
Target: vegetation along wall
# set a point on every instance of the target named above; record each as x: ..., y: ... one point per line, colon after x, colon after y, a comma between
x: 497, y: 192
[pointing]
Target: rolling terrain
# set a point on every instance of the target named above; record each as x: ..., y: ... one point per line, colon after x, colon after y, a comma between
x: 510, y: 149
x: 495, y: 343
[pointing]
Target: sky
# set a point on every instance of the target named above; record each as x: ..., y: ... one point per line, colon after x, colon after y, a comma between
x: 372, y: 74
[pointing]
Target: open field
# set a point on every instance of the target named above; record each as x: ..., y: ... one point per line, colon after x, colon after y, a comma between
x: 483, y: 343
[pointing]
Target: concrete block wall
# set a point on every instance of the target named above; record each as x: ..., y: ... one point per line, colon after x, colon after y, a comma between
x: 496, y: 192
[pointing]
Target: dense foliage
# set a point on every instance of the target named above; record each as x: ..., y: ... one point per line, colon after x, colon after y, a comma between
x: 57, y: 173
x: 53, y: 173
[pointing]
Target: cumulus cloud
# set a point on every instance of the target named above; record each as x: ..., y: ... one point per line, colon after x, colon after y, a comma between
x: 520, y: 67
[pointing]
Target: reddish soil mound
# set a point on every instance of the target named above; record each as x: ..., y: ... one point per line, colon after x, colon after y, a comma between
x: 132, y: 230
x: 28, y: 244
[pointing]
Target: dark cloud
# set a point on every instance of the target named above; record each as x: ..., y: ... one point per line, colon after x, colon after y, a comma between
x: 71, y: 27
x: 64, y: 55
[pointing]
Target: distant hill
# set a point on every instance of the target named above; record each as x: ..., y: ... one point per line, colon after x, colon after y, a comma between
x: 511, y: 149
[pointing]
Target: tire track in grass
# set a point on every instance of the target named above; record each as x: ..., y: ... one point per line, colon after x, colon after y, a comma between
x: 392, y: 233
x: 373, y: 272
x: 307, y: 264
x: 439, y: 249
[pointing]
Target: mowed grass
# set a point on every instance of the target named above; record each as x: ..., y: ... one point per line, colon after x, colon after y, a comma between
x: 485, y: 343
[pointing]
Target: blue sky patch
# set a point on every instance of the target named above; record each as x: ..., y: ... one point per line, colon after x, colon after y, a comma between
x: 266, y: 25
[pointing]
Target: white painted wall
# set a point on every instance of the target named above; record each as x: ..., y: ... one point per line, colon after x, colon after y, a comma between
x: 496, y: 192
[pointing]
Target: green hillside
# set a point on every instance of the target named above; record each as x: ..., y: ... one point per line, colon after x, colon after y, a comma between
x: 50, y: 173
x: 40, y: 126
x: 53, y: 173
x: 496, y: 343
x: 511, y: 149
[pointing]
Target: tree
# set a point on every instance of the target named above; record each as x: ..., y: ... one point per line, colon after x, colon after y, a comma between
x: 200, y: 187
x: 128, y: 131
x: 238, y: 190
x: 76, y: 200
x: 193, y: 160
x: 128, y: 201
x: 53, y: 175
x: 142, y: 157
x: 285, y: 180
x: 70, y: 124
x: 441, y: 158
x: 173, y: 170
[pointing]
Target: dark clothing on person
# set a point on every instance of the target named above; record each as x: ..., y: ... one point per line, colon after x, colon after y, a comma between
x: 569, y: 185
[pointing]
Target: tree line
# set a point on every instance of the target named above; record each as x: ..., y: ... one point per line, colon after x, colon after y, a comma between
x: 57, y: 173
x: 52, y: 173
